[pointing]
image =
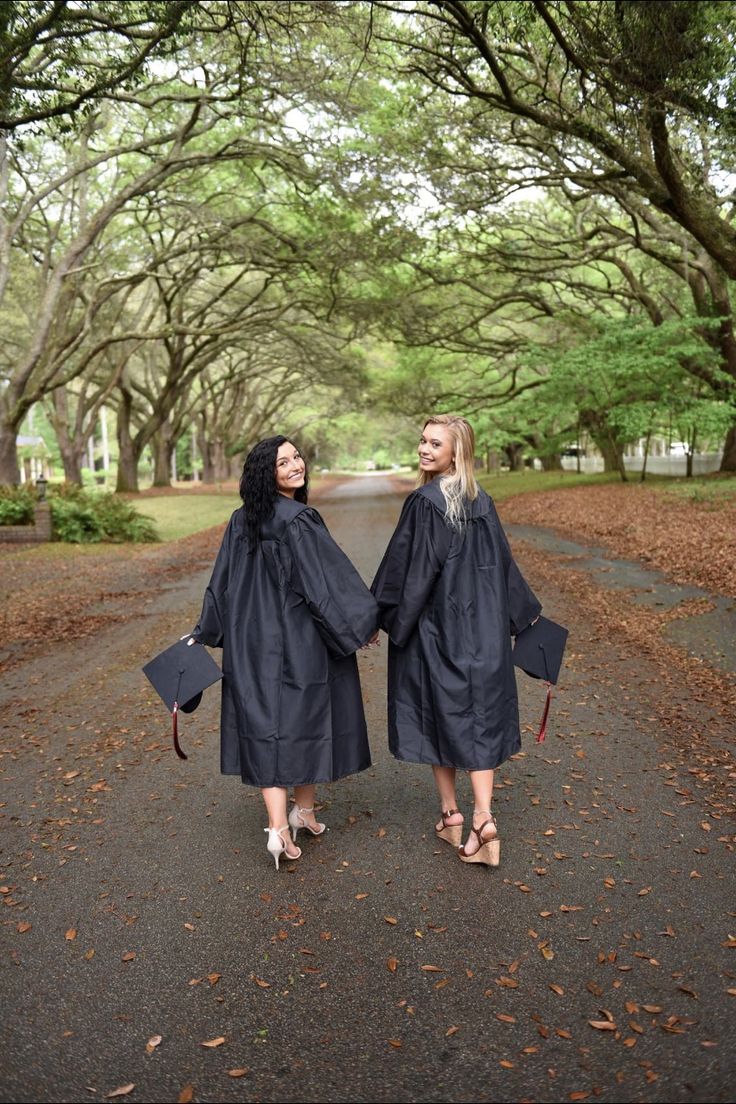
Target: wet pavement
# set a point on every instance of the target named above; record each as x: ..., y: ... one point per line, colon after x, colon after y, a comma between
x: 149, y: 942
x: 708, y: 632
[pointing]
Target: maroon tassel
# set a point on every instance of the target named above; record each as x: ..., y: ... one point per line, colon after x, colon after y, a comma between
x: 543, y: 726
x: 175, y: 717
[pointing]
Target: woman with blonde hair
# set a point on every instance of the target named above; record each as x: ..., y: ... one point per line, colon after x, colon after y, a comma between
x: 451, y: 597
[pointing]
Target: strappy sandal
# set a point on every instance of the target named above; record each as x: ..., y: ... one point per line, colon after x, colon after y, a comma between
x: 450, y: 833
x: 489, y: 849
x: 278, y: 847
x: 298, y: 819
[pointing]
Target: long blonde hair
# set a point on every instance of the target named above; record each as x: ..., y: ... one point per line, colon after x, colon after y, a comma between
x: 458, y: 485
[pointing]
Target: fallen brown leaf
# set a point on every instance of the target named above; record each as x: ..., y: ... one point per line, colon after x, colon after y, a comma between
x: 122, y: 1091
x: 213, y: 1042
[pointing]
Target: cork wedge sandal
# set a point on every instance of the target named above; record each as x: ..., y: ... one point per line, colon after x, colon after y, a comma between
x: 450, y: 833
x: 489, y: 846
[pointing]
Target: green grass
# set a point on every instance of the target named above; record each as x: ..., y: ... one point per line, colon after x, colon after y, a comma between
x: 714, y: 490
x: 505, y: 484
x: 179, y: 515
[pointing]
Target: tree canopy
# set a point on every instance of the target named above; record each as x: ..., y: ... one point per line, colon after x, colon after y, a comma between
x: 224, y: 218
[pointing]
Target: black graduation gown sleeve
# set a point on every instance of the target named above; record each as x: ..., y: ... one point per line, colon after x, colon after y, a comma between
x: 316, y: 568
x: 414, y: 558
x: 524, y: 605
x: 210, y: 628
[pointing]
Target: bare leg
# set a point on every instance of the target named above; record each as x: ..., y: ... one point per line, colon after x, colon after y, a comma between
x: 444, y: 779
x: 482, y: 783
x: 304, y: 797
x: 275, y: 801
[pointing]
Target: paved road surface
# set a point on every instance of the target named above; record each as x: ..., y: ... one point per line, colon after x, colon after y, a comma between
x: 378, y: 968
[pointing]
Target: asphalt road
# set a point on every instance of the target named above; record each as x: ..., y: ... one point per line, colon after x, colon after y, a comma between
x: 144, y: 920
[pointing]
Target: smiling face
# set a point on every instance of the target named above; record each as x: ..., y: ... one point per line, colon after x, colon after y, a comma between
x: 290, y: 469
x: 436, y: 449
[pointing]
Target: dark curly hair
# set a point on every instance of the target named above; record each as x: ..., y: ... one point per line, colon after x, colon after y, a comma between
x: 258, y: 488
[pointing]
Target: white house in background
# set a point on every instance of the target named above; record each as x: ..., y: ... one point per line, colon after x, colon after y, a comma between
x: 33, y: 457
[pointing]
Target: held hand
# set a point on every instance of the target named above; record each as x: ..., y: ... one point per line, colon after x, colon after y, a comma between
x: 373, y: 640
x: 190, y: 641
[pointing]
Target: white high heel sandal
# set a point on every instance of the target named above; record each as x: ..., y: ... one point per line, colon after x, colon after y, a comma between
x: 297, y: 821
x: 276, y: 844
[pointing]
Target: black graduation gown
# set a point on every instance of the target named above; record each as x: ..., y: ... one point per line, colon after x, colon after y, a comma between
x: 289, y: 617
x: 450, y: 601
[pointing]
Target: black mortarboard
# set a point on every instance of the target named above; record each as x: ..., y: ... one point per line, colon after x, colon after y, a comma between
x: 538, y: 651
x: 180, y: 675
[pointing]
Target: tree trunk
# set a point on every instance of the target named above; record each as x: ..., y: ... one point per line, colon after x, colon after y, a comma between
x: 235, y: 463
x: 220, y: 461
x: 515, y: 455
x: 728, y: 463
x: 613, y: 457
x: 205, y: 454
x: 9, y: 470
x: 71, y: 458
x: 163, y: 448
x: 609, y: 447
x: 128, y: 454
x: 646, y: 457
x: 552, y: 463
x: 491, y: 460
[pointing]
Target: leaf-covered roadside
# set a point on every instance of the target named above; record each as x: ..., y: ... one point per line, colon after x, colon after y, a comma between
x: 693, y: 542
x: 54, y: 593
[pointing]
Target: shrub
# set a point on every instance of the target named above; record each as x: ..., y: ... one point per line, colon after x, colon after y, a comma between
x: 121, y: 521
x: 74, y: 520
x: 16, y: 505
x: 82, y: 516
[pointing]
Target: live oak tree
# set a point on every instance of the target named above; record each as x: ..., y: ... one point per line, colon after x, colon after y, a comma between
x: 629, y: 98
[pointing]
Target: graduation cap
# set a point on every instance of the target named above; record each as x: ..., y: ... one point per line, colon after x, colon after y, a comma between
x: 179, y: 675
x: 538, y: 651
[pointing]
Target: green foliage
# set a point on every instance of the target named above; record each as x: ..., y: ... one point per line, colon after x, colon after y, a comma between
x: 58, y: 58
x: 82, y: 517
x: 16, y: 505
x: 625, y: 379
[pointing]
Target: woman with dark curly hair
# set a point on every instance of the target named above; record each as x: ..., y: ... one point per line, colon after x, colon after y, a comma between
x: 289, y: 611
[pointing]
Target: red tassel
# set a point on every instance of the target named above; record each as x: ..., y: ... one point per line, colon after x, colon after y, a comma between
x: 175, y: 717
x: 543, y: 726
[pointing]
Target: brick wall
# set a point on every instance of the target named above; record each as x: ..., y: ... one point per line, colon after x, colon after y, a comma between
x: 39, y: 531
